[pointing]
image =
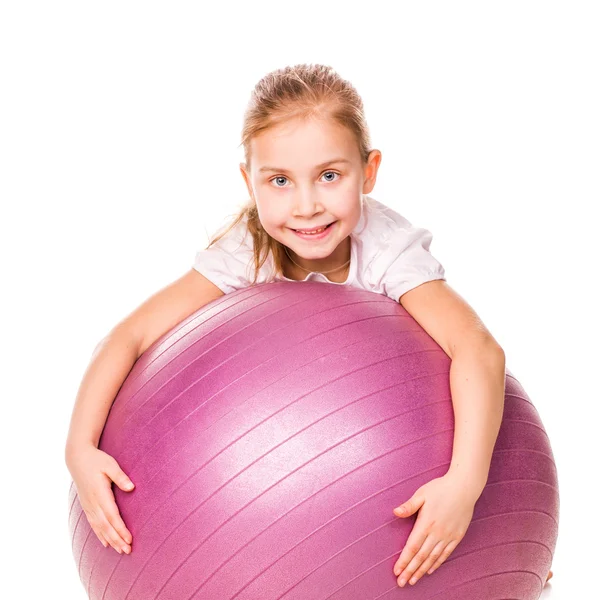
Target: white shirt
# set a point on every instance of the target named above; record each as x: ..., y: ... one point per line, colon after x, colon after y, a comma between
x: 388, y: 256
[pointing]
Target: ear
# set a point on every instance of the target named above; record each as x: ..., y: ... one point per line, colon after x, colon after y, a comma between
x: 371, y: 171
x: 246, y: 176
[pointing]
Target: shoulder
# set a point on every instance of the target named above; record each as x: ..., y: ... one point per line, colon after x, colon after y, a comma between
x: 384, y: 232
x: 396, y: 256
x: 233, y: 238
x: 228, y: 261
x: 382, y: 218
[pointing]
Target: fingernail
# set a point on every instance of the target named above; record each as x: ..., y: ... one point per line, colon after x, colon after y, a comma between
x: 402, y: 582
x: 125, y: 549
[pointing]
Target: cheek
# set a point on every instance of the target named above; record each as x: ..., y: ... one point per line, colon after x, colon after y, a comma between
x: 273, y: 221
x: 346, y: 207
x: 273, y: 213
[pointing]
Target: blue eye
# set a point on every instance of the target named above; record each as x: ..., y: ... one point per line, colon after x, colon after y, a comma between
x: 279, y: 177
x: 331, y: 173
x: 326, y: 173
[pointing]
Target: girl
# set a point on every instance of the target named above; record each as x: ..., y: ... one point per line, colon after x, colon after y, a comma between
x: 309, y: 168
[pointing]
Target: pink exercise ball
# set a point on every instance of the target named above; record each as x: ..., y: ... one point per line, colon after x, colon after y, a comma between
x: 270, y: 436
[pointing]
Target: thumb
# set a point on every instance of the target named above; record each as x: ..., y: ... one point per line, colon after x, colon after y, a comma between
x: 409, y: 507
x: 117, y: 474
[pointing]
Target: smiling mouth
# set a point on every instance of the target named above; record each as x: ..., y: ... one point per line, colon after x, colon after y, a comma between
x: 314, y: 228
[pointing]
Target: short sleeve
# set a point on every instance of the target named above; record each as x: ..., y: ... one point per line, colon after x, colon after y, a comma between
x: 226, y: 263
x: 403, y: 260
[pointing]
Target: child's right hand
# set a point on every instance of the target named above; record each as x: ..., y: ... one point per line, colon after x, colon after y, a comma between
x: 93, y: 472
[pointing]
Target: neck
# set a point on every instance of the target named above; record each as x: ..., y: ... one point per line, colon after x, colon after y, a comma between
x: 335, y: 269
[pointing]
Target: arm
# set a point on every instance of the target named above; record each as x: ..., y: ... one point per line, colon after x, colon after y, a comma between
x: 477, y: 376
x: 110, y: 364
x: 116, y: 354
x: 477, y: 373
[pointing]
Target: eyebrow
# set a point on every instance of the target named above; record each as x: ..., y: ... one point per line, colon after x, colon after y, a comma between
x: 326, y: 163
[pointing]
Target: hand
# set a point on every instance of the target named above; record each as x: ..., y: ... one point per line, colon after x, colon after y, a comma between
x: 93, y: 472
x: 447, y: 507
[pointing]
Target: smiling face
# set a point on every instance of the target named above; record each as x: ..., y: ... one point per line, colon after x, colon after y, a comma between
x: 293, y: 188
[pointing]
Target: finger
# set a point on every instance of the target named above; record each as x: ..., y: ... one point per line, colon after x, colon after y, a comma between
x: 412, y: 546
x: 122, y: 531
x: 445, y: 554
x: 100, y: 536
x: 94, y: 523
x: 111, y: 535
x: 428, y: 562
x: 99, y: 523
x: 102, y: 539
x: 414, y: 543
x: 421, y: 555
x: 118, y: 524
x: 117, y: 531
x: 114, y: 471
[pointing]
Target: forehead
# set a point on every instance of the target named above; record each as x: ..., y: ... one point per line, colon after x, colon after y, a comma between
x: 303, y: 142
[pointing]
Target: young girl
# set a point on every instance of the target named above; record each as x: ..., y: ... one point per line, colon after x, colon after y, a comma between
x: 309, y: 168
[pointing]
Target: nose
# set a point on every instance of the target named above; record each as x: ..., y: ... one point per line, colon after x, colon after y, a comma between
x: 307, y: 204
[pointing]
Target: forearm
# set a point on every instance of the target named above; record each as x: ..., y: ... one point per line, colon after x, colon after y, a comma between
x: 111, y: 362
x: 477, y: 385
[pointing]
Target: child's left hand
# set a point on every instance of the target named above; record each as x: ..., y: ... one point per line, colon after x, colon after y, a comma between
x: 447, y: 507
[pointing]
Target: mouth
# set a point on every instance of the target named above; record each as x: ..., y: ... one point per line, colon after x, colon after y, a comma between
x: 314, y: 230
x: 319, y: 235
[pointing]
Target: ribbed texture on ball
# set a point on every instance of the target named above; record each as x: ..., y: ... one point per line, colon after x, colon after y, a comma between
x: 271, y: 434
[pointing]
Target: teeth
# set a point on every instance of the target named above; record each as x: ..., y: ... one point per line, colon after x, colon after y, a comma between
x: 312, y: 232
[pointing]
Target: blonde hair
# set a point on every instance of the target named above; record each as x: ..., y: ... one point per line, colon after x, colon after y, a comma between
x: 300, y: 91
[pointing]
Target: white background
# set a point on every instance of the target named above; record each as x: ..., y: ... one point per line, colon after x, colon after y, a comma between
x: 119, y: 132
